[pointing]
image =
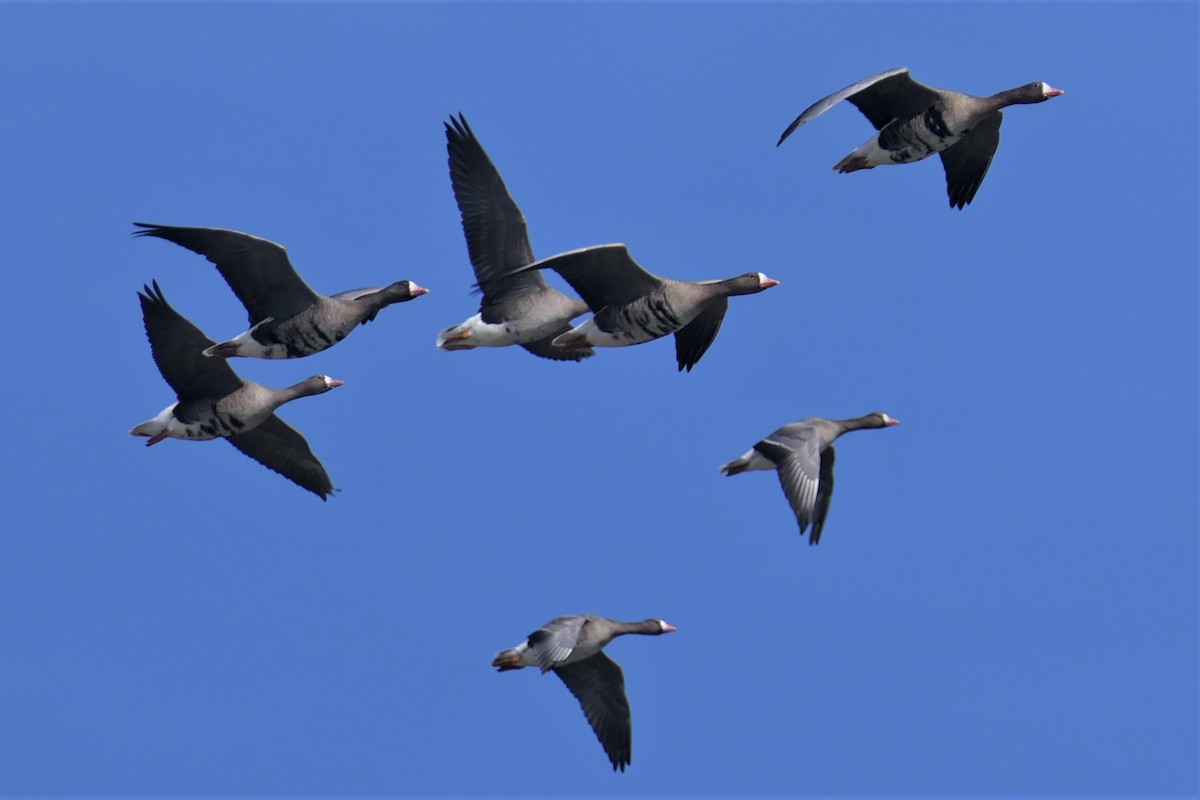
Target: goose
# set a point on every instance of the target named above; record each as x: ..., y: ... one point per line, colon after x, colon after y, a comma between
x: 213, y: 402
x: 632, y: 306
x: 572, y: 647
x: 515, y: 309
x: 802, y: 453
x: 915, y: 121
x: 287, y: 318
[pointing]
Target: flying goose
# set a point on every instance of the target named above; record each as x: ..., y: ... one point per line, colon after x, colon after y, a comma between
x: 287, y: 318
x: 215, y: 403
x: 915, y: 121
x: 633, y: 306
x: 572, y: 647
x: 803, y: 454
x: 515, y: 309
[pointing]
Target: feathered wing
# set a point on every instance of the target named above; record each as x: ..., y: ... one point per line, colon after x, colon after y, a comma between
x: 177, y: 346
x: 824, y: 494
x: 554, y: 642
x: 599, y: 686
x: 495, y: 229
x: 889, y: 90
x: 280, y: 447
x: 894, y: 96
x: 258, y: 271
x: 544, y: 349
x: 966, y: 161
x: 602, y: 275
x: 797, y: 460
x: 693, y: 340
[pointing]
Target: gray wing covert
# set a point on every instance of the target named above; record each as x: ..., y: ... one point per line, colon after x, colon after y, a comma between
x: 554, y: 642
x: 797, y: 458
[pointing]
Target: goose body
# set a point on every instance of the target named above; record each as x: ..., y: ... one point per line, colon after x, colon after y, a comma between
x: 803, y: 455
x: 572, y: 648
x: 631, y: 306
x: 214, y: 403
x: 287, y: 318
x: 915, y: 121
x: 520, y: 309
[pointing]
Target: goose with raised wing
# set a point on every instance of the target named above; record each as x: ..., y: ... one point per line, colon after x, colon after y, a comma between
x: 520, y: 308
x: 632, y: 306
x: 287, y: 318
x: 915, y: 121
x: 572, y: 648
x: 214, y: 403
x: 803, y: 455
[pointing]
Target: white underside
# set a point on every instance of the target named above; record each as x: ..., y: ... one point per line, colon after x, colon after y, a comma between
x: 756, y: 460
x: 174, y: 428
x: 486, y: 334
x: 875, y: 155
x: 590, y: 332
x: 247, y: 346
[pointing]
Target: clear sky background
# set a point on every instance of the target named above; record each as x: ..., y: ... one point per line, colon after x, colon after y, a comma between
x: 1005, y: 597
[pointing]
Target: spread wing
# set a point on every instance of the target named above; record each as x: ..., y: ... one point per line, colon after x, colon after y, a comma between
x: 693, y: 339
x: 494, y: 227
x: 797, y: 458
x: 602, y: 275
x: 257, y: 270
x: 553, y: 642
x: 177, y: 346
x: 599, y: 686
x: 967, y: 160
x: 881, y: 98
x: 280, y: 447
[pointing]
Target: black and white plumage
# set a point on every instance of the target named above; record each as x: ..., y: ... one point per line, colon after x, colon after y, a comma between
x: 915, y: 121
x: 803, y: 455
x: 571, y: 647
x: 287, y: 318
x: 632, y: 306
x: 213, y: 402
x: 515, y: 309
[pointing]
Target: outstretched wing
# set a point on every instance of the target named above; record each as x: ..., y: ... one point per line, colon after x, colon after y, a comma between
x: 797, y: 458
x: 602, y: 275
x: 257, y: 270
x: 494, y: 227
x: 693, y: 339
x: 881, y: 98
x: 280, y: 447
x: 177, y: 346
x: 599, y: 686
x: 967, y: 160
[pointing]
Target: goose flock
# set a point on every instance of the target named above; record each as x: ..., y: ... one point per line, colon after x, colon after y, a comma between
x: 627, y: 304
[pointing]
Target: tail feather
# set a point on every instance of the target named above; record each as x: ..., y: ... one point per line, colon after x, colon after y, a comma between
x: 222, y: 350
x: 150, y: 427
x: 508, y: 659
x: 734, y: 467
x: 852, y: 163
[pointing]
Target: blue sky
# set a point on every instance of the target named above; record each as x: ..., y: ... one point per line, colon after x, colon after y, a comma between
x: 1004, y: 600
